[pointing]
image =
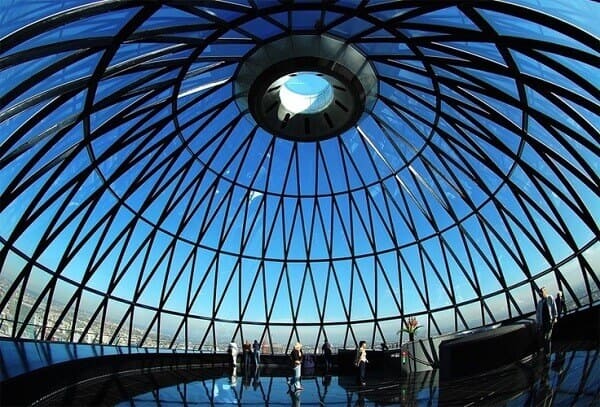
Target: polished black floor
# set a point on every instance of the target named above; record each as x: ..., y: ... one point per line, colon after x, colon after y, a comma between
x: 571, y: 377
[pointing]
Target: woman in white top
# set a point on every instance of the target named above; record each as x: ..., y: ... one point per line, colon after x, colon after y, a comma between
x: 361, y: 362
x: 233, y: 351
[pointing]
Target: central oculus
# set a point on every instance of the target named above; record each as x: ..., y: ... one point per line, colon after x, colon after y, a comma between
x: 305, y: 87
x: 305, y: 92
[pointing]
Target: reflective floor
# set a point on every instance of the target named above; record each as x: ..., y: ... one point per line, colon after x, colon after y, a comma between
x: 570, y: 377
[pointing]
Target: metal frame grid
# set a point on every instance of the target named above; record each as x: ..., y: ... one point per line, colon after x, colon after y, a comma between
x: 140, y: 207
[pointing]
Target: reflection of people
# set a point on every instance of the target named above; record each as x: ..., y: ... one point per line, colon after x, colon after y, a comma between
x: 296, y: 357
x: 256, y: 380
x: 360, y: 401
x: 256, y: 350
x: 247, y: 349
x: 232, y: 349
x: 561, y: 307
x: 545, y: 317
x: 295, y: 395
x: 542, y: 391
x: 247, y: 378
x: 326, y: 348
x: 361, y: 361
x: 558, y: 363
x: 233, y: 378
x: 326, y: 381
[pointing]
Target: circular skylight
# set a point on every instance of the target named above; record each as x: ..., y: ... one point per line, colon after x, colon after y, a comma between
x: 306, y: 93
x: 157, y: 191
x: 319, y: 91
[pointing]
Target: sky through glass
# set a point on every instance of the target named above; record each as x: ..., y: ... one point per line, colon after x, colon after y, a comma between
x: 140, y: 204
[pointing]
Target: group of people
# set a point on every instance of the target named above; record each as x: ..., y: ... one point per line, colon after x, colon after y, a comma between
x: 296, y: 357
x: 251, y: 352
x: 547, y: 312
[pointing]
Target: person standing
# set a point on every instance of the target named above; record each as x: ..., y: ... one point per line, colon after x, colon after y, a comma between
x: 561, y: 307
x: 296, y: 356
x: 326, y: 348
x: 247, y: 349
x: 361, y: 362
x: 256, y: 350
x: 545, y: 314
x: 232, y: 349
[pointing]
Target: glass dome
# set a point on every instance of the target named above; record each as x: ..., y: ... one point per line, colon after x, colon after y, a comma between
x: 143, y: 204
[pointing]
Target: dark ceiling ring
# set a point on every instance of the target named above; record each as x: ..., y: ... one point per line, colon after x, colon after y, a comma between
x: 260, y: 78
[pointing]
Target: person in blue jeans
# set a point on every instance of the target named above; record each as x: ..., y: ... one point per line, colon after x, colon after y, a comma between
x: 256, y: 350
x: 247, y: 348
x: 296, y: 357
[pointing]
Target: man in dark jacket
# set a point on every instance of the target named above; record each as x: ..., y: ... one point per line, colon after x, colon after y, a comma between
x: 561, y: 307
x: 545, y: 314
x: 326, y: 348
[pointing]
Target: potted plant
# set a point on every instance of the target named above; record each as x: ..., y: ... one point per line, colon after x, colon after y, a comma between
x: 411, y: 326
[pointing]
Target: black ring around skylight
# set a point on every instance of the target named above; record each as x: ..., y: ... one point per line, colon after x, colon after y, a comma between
x: 351, y: 75
x: 344, y: 111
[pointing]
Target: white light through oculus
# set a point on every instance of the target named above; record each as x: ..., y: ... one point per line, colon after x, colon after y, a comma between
x: 306, y: 92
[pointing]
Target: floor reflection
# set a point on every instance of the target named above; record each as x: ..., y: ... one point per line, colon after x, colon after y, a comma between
x: 570, y: 377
